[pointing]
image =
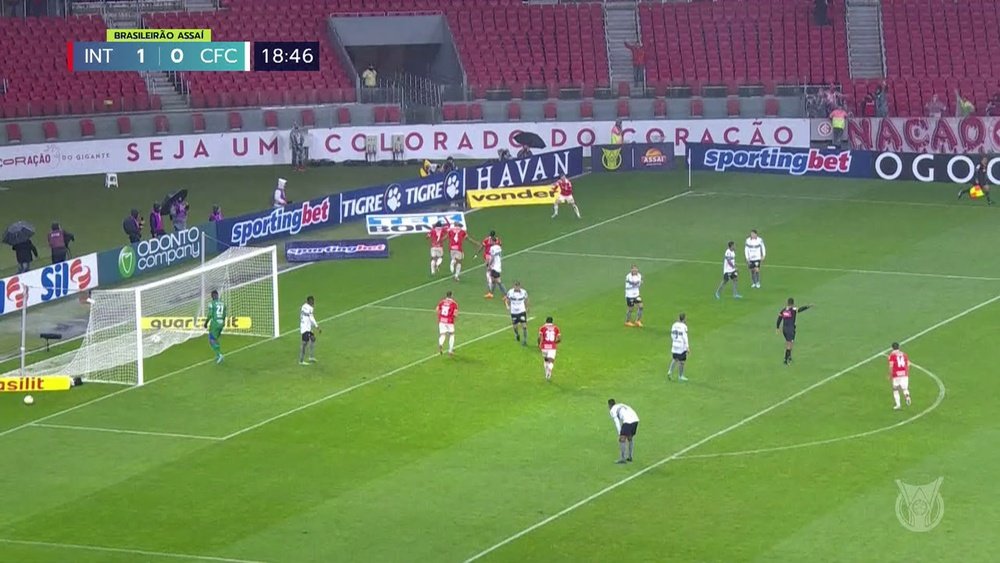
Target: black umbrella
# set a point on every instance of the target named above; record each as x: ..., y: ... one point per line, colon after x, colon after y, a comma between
x: 172, y: 198
x: 18, y: 233
x: 529, y: 140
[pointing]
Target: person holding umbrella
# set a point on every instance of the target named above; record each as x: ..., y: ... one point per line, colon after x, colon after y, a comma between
x: 132, y: 225
x: 156, y: 221
x: 18, y: 236
x: 59, y: 243
x: 179, y: 212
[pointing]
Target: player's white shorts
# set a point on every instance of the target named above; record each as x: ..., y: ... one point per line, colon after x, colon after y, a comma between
x: 565, y: 199
x: 901, y: 383
x: 446, y: 328
x: 549, y: 354
x: 437, y: 252
x: 457, y: 255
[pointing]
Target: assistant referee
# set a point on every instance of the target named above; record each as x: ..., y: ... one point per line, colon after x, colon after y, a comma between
x: 980, y: 183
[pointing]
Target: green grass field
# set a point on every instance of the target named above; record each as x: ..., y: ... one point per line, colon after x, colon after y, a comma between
x: 385, y: 451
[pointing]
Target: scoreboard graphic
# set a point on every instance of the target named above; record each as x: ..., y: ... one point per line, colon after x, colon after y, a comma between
x: 153, y: 50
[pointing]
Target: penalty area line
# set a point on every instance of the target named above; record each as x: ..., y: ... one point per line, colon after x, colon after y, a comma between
x: 738, y: 424
x: 125, y: 431
x: 125, y: 550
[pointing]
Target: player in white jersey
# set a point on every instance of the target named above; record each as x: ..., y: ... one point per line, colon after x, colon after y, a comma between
x: 496, y: 267
x: 755, y: 252
x: 516, y: 301
x: 633, y: 281
x: 308, y: 327
x: 626, y: 424
x: 729, y: 273
x: 679, y: 347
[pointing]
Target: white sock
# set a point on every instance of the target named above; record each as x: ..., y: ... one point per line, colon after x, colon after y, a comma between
x: 433, y: 265
x: 458, y: 269
x: 451, y: 266
x: 906, y: 394
x: 441, y: 340
x: 577, y: 210
x: 895, y: 397
x: 451, y: 343
x: 555, y: 210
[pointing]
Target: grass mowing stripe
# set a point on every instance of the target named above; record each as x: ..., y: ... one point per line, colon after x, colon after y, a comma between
x: 123, y: 431
x: 419, y: 310
x: 768, y: 265
x: 143, y: 552
x: 742, y: 422
x: 344, y: 313
x: 942, y: 391
x: 356, y: 386
x: 894, y: 203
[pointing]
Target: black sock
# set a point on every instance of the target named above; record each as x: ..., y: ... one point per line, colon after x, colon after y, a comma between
x: 788, y: 355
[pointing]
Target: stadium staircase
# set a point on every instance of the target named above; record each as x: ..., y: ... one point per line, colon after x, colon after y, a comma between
x: 160, y: 83
x: 864, y: 39
x: 622, y: 24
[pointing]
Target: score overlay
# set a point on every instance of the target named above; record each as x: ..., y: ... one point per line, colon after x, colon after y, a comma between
x: 221, y: 56
x: 159, y: 56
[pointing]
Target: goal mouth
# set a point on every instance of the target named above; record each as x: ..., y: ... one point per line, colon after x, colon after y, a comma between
x: 128, y: 325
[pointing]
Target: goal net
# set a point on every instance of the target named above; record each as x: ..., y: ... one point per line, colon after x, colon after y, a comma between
x: 128, y: 325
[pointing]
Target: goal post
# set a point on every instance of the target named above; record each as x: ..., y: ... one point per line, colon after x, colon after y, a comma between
x: 128, y: 325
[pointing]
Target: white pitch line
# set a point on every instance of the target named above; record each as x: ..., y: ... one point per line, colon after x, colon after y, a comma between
x: 123, y: 431
x: 356, y: 386
x: 769, y: 265
x: 937, y: 402
x: 894, y: 203
x: 341, y: 314
x: 742, y: 422
x: 129, y: 551
x: 419, y: 310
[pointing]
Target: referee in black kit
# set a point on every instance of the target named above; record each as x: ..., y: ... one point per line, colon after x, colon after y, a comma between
x: 980, y: 180
x: 786, y: 326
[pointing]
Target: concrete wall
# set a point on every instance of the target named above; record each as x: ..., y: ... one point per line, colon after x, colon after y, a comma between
x: 390, y: 30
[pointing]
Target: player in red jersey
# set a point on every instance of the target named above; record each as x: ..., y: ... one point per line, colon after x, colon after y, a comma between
x: 456, y: 242
x: 437, y: 235
x: 484, y: 248
x: 447, y: 308
x: 565, y: 188
x: 549, y: 338
x: 899, y: 374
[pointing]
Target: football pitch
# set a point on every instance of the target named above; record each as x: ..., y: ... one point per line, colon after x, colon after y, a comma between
x: 385, y: 451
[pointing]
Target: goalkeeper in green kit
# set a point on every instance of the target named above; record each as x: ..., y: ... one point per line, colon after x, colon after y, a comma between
x: 215, y: 321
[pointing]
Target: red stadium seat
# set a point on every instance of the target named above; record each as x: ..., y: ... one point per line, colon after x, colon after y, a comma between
x: 623, y: 108
x: 50, y: 131
x: 307, y: 118
x: 771, y: 107
x: 697, y: 107
x: 462, y: 112
x: 198, y: 122
x: 586, y: 109
x: 393, y: 114
x: 87, y: 129
x: 343, y: 116
x: 161, y: 124
x: 550, y: 110
x: 514, y: 111
x: 623, y: 90
x: 733, y: 107
x: 659, y: 107
x: 380, y: 114
x: 448, y: 112
x: 124, y: 125
x: 270, y: 119
x: 13, y: 133
x: 476, y: 112
x: 235, y: 120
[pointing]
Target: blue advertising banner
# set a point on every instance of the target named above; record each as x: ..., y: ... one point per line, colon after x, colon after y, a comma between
x: 262, y: 226
x: 525, y: 171
x: 317, y: 250
x: 400, y: 197
x: 632, y: 157
x: 781, y: 160
x: 119, y: 264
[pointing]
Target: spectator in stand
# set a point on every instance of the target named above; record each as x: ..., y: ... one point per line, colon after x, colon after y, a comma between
x: 882, y: 100
x: 448, y: 166
x: 638, y: 60
x: 216, y: 215
x: 156, y: 221
x: 963, y: 106
x: 24, y: 252
x: 525, y: 152
x: 370, y: 77
x: 838, y: 121
x: 993, y: 108
x: 935, y: 108
x: 179, y: 214
x: 59, y: 243
x: 868, y: 105
x: 132, y: 225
